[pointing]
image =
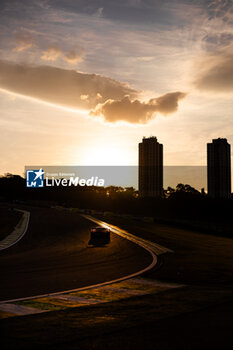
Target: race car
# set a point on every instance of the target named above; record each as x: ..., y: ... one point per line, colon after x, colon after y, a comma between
x: 100, y: 234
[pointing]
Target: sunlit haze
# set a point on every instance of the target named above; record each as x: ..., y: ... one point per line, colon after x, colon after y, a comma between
x: 82, y: 82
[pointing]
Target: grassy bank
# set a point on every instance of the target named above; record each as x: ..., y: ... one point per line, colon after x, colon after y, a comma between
x: 187, y: 315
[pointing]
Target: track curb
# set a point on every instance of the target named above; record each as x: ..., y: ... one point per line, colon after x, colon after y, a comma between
x: 19, y: 231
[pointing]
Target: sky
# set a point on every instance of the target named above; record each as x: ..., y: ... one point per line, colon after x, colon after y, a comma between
x: 81, y: 82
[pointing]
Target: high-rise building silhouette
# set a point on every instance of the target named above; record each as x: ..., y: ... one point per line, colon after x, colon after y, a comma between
x: 219, y: 168
x: 150, y: 168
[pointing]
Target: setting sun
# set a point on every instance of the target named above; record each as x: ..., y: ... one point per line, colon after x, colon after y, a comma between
x: 105, y: 155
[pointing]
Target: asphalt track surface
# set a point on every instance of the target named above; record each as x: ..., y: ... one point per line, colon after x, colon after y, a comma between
x: 54, y: 256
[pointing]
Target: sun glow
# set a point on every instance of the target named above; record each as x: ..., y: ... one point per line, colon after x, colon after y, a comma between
x: 105, y: 155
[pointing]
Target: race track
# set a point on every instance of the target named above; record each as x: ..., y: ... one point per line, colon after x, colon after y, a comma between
x: 54, y: 256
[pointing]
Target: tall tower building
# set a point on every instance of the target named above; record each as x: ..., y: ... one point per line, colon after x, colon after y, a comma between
x: 150, y: 168
x: 219, y: 168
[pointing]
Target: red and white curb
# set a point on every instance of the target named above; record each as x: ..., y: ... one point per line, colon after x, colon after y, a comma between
x: 94, y: 295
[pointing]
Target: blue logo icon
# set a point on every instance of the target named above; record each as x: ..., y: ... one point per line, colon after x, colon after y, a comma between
x: 35, y: 178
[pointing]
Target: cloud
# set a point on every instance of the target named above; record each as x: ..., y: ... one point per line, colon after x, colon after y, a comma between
x: 25, y: 42
x: 75, y: 55
x: 214, y: 73
x: 63, y: 87
x: 51, y: 54
x: 135, y: 111
x: 145, y: 58
x: 99, y: 12
x: 104, y: 96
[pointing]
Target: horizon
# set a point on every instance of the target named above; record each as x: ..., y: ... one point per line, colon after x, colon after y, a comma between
x: 126, y: 176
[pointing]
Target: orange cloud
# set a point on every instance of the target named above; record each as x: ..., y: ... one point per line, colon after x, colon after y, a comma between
x: 51, y: 54
x: 61, y: 86
x: 106, y: 97
x: 75, y: 55
x: 135, y: 111
x: 25, y: 42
